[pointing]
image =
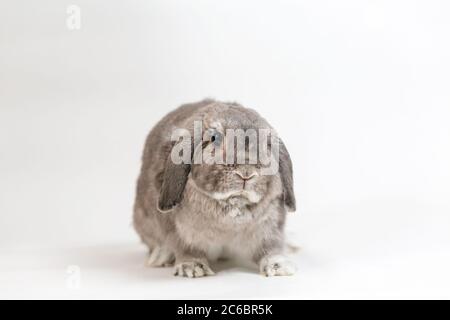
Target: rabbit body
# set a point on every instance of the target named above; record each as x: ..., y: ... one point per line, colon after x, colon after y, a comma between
x: 191, y: 214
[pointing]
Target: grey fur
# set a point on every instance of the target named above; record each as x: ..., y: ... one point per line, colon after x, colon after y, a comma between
x: 174, y: 181
x: 286, y: 173
x: 204, y: 221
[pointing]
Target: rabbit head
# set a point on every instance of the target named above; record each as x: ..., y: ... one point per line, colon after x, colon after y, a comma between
x: 231, y: 160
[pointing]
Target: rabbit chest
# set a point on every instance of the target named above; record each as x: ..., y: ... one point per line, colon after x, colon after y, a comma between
x: 219, y: 231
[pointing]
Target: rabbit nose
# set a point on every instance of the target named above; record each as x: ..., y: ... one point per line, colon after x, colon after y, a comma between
x: 247, y: 177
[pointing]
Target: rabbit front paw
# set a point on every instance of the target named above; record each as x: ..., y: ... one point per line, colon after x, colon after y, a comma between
x: 193, y: 269
x: 276, y: 265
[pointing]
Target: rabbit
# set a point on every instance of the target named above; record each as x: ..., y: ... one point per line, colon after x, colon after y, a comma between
x: 191, y: 214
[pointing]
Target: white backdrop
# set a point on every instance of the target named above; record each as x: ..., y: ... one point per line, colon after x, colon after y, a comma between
x: 358, y: 89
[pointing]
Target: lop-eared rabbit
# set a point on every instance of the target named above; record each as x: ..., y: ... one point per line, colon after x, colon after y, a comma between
x: 189, y: 213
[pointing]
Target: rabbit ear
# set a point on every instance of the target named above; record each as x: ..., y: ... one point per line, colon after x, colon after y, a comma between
x: 287, y: 179
x: 173, y: 183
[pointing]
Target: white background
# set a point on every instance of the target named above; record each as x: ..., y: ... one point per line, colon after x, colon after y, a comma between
x: 358, y: 89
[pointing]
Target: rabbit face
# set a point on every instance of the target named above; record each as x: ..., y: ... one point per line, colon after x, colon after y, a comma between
x: 230, y: 170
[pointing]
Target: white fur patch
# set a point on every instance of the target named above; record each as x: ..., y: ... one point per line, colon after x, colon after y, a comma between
x: 277, y: 265
x: 249, y: 194
x: 160, y: 257
x: 252, y: 196
x: 223, y: 195
x: 216, y: 125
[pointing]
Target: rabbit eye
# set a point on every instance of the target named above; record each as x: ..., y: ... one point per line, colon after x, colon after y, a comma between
x: 216, y: 138
x: 213, y: 137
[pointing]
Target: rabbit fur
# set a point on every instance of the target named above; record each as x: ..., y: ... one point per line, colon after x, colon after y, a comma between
x: 191, y: 214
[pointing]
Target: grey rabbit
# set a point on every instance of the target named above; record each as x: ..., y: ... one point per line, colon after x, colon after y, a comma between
x: 189, y: 214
